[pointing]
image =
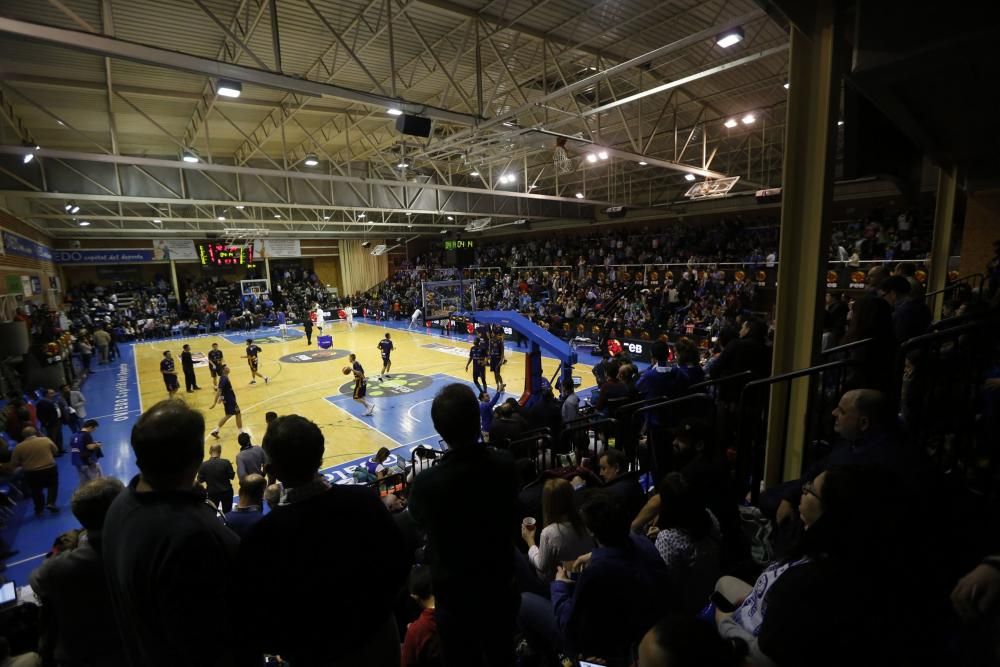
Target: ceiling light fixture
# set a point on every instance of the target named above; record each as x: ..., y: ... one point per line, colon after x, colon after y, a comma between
x: 603, y: 155
x: 450, y: 218
x: 229, y: 88
x: 221, y: 218
x: 748, y: 119
x: 361, y: 215
x: 731, y: 123
x: 473, y: 173
x: 689, y: 177
x: 30, y: 154
x: 787, y: 85
x: 392, y: 111
x: 75, y: 208
x: 403, y: 164
x: 326, y: 217
x: 579, y: 195
x: 591, y: 158
x: 189, y: 156
x: 240, y: 207
x: 642, y: 163
x: 730, y: 37
x: 444, y: 231
x: 840, y: 122
x: 277, y: 216
x: 83, y: 223
x: 157, y: 220
x: 311, y: 160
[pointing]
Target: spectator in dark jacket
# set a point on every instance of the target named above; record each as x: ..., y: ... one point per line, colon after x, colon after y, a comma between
x: 250, y: 508
x: 50, y: 417
x: 507, y: 426
x: 291, y: 553
x: 910, y: 317
x: 217, y: 475
x: 749, y: 352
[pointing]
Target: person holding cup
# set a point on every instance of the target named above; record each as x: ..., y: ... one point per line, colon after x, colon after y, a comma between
x: 564, y: 536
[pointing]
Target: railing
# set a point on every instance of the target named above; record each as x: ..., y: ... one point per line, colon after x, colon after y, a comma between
x: 845, y: 350
x: 826, y: 383
x: 972, y: 282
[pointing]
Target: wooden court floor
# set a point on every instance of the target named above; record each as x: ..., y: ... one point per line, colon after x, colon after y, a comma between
x: 308, y: 381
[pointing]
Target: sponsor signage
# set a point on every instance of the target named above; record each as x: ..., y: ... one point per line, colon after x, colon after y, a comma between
x: 638, y: 349
x: 164, y: 250
x: 125, y: 256
x: 15, y: 244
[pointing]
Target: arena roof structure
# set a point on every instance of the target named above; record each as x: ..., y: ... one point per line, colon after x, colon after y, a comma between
x: 198, y: 117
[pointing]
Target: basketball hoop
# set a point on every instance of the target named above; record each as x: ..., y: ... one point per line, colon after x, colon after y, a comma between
x: 562, y: 161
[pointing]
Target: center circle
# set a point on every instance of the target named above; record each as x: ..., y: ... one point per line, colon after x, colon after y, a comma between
x: 400, y: 384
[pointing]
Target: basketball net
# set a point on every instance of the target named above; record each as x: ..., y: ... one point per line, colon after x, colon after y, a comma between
x: 562, y: 161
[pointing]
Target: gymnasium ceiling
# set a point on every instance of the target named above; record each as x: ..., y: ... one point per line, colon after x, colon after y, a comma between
x: 114, y: 91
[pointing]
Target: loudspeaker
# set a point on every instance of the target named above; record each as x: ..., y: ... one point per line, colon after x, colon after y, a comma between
x: 416, y: 126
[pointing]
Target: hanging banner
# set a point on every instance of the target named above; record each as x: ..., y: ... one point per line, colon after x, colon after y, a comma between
x: 127, y: 256
x: 277, y: 248
x: 164, y: 250
x: 15, y: 244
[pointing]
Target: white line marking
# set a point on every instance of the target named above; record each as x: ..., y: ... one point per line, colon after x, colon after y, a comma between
x: 138, y: 385
x: 27, y: 560
x: 413, y: 442
x: 409, y: 413
x: 371, y: 426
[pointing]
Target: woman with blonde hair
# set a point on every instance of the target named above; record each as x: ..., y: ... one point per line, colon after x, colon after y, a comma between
x: 564, y: 535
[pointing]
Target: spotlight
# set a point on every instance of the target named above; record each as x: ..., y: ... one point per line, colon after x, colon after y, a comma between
x: 157, y: 220
x: 748, y: 119
x: 240, y: 207
x: 83, y: 223
x: 473, y: 173
x: 361, y: 215
x: 731, y: 123
x: 311, y: 160
x: 840, y: 122
x: 591, y: 158
x: 326, y: 217
x: 689, y: 177
x: 603, y: 155
x: 67, y: 207
x: 75, y: 208
x: 642, y: 163
x: 786, y: 85
x: 189, y: 156
x: 579, y: 195
x: 444, y: 231
x: 403, y: 165
x: 28, y: 157
x: 229, y: 88
x: 730, y: 37
x: 394, y: 112
x: 221, y: 218
x: 277, y: 216
x: 450, y: 218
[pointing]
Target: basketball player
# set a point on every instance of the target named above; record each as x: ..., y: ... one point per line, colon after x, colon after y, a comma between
x: 414, y: 317
x: 497, y: 357
x: 282, y: 324
x: 227, y: 394
x: 386, y: 347
x: 360, y: 385
x: 251, y: 357
x: 169, y: 374
x: 349, y: 314
x: 215, y: 364
x: 319, y: 319
x: 477, y: 357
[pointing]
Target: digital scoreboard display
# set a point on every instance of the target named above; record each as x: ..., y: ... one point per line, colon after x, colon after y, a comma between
x: 221, y: 254
x: 458, y: 244
x: 459, y: 252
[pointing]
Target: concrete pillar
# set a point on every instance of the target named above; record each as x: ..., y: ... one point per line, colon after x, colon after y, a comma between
x: 807, y: 191
x: 944, y: 210
x: 177, y: 289
x: 267, y: 273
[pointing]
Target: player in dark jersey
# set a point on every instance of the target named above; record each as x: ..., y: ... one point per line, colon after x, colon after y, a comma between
x: 477, y: 357
x: 169, y: 374
x: 227, y: 395
x: 215, y: 364
x: 497, y: 357
x: 386, y: 347
x: 360, y: 385
x: 251, y: 357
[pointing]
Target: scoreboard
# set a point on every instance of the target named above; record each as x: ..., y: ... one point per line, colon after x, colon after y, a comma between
x: 221, y: 254
x: 459, y: 252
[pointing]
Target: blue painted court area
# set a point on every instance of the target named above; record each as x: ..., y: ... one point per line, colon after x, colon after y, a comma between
x: 113, y: 400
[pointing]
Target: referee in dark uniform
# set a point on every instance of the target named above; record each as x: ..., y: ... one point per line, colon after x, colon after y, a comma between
x: 187, y: 365
x: 307, y: 327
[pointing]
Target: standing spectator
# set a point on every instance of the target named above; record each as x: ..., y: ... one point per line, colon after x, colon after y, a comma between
x: 78, y: 402
x: 250, y: 507
x: 85, y: 451
x: 571, y: 401
x: 486, y: 405
x: 474, y: 586
x: 217, y: 475
x: 422, y: 646
x: 36, y: 456
x: 290, y: 553
x: 250, y: 459
x: 103, y: 339
x: 18, y: 416
x: 79, y: 623
x: 50, y: 416
x: 164, y: 547
x: 86, y: 353
x: 187, y: 365
x: 69, y: 414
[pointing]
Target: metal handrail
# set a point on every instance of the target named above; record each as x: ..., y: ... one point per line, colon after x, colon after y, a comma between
x: 846, y: 346
x: 717, y: 381
x: 956, y: 282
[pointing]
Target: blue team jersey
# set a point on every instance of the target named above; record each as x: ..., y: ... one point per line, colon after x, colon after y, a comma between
x: 359, y: 370
x: 496, y: 348
x: 477, y: 354
x: 167, y: 366
x: 226, y: 390
x: 281, y: 317
x: 78, y: 448
x: 386, y: 346
x: 215, y: 358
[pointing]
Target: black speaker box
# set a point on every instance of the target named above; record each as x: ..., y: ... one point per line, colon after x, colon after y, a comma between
x: 416, y: 126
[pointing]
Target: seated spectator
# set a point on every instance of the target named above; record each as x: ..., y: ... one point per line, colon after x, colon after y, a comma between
x: 272, y: 495
x: 507, y: 426
x: 473, y: 578
x: 910, y: 316
x: 613, y: 469
x: 295, y: 553
x: 683, y: 641
x: 375, y: 466
x: 612, y: 388
x: 619, y: 594
x: 422, y: 646
x: 571, y: 402
x: 79, y: 624
x: 160, y: 529
x: 563, y: 537
x: 250, y: 506
x: 688, y: 539
x: 749, y: 352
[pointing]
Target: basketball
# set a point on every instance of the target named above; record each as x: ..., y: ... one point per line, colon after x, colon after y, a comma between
x: 347, y: 370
